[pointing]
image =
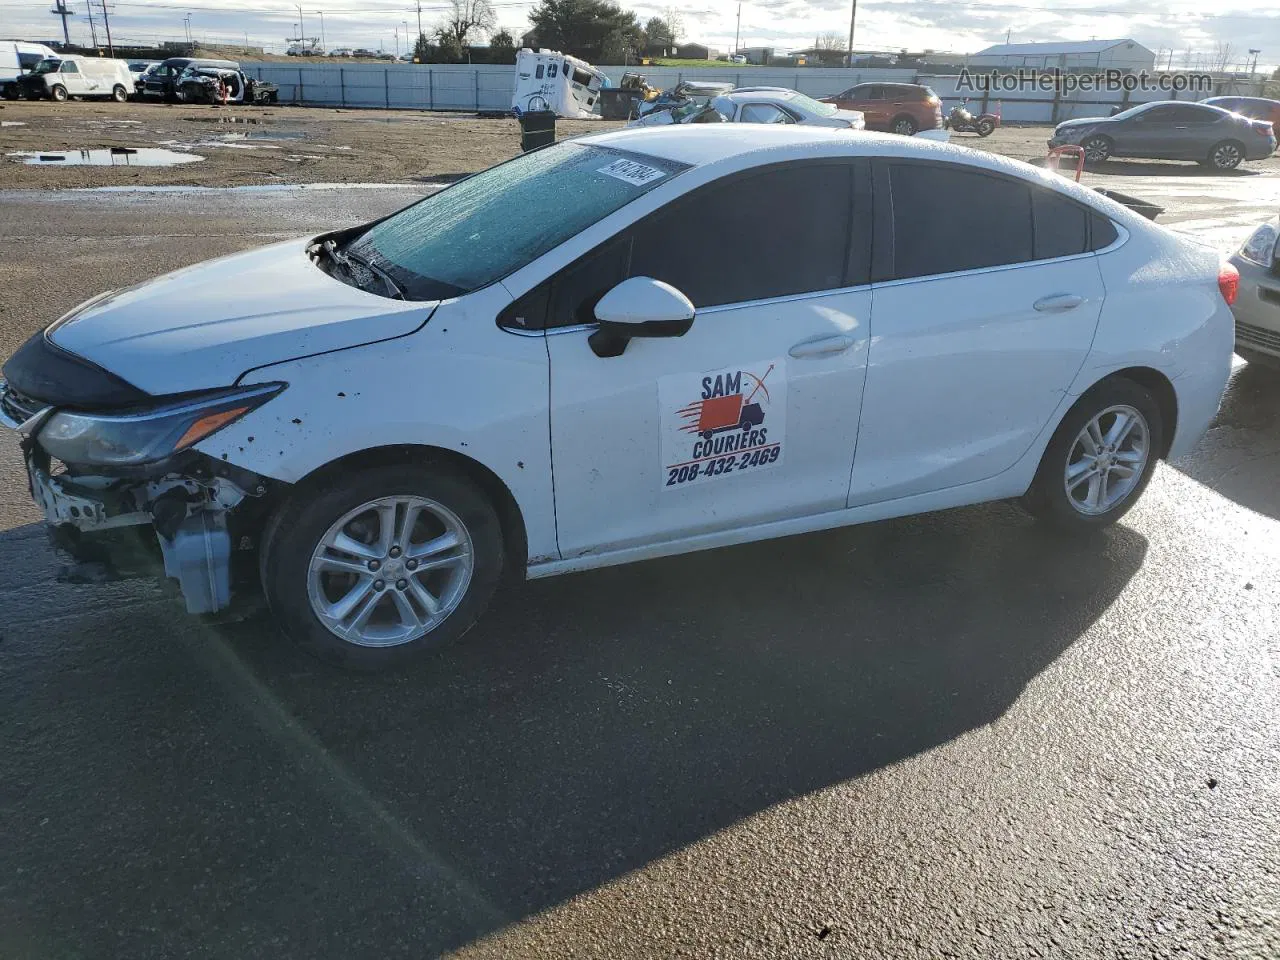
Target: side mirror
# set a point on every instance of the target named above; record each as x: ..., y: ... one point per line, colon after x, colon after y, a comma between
x: 639, y: 307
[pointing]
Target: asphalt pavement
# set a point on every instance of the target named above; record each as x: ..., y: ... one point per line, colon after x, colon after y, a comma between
x: 949, y: 735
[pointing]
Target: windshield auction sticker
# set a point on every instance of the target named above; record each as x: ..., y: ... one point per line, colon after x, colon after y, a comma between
x: 722, y: 422
x: 636, y: 174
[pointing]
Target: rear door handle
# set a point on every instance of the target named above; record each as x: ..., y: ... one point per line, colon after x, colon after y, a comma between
x: 1058, y: 303
x: 821, y: 346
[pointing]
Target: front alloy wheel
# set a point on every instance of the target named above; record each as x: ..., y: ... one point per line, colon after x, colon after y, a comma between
x: 1096, y: 149
x: 370, y: 568
x: 390, y: 571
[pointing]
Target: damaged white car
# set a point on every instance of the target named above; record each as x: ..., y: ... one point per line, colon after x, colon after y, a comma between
x: 619, y: 347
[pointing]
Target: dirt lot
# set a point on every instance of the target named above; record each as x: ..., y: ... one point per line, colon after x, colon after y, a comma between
x: 310, y: 145
x: 266, y: 145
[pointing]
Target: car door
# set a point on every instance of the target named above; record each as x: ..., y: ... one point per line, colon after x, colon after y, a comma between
x: 1195, y: 129
x: 874, y: 108
x: 750, y: 416
x: 69, y: 76
x: 1149, y: 134
x: 982, y: 319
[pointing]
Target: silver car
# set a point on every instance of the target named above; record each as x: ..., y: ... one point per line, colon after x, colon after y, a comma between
x: 759, y: 105
x: 1257, y: 306
x: 1171, y: 130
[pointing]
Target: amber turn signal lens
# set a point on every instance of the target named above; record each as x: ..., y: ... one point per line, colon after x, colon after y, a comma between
x: 206, y: 425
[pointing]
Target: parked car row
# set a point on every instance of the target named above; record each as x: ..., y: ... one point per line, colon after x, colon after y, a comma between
x: 176, y: 80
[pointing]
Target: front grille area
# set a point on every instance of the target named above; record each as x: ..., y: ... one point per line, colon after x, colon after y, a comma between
x: 1249, y: 335
x: 17, y: 406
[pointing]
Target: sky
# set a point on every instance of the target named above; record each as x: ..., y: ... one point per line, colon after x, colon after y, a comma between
x: 1193, y: 29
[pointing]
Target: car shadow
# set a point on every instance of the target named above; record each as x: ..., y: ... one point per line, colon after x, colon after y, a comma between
x: 1239, y: 456
x: 1142, y: 168
x: 594, y: 723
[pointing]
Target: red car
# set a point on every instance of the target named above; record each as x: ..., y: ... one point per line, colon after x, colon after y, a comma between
x: 1255, y: 108
x: 904, y: 108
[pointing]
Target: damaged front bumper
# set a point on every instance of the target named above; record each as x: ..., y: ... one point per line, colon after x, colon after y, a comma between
x: 196, y: 506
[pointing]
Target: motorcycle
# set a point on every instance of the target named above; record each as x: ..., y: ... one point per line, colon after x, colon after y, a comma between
x: 961, y: 120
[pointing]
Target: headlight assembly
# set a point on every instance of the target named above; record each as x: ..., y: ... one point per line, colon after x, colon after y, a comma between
x: 1260, y: 248
x: 147, y: 435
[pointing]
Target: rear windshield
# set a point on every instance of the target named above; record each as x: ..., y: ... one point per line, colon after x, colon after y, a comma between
x: 486, y: 226
x: 811, y: 105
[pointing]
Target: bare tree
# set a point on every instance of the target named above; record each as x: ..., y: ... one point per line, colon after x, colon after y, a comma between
x: 675, y: 22
x: 829, y: 40
x: 467, y: 20
x: 1221, y: 56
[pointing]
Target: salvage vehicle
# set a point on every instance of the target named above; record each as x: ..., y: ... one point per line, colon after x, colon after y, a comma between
x: 162, y: 82
x: 1257, y: 306
x: 771, y: 105
x: 515, y: 377
x: 199, y: 84
x: 60, y: 78
x: 556, y: 82
x: 17, y: 59
x: 1171, y: 130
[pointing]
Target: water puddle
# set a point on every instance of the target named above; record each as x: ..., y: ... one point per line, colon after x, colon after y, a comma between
x: 250, y: 120
x: 112, y: 157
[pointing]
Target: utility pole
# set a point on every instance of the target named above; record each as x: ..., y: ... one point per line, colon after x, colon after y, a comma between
x: 853, y: 15
x: 93, y: 30
x: 737, y: 31
x: 60, y: 8
x: 322, y: 43
x: 106, y: 22
x: 302, y: 27
x: 1253, y: 66
x: 419, y: 20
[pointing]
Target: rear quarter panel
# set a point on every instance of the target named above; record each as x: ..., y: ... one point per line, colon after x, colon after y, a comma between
x: 1163, y: 310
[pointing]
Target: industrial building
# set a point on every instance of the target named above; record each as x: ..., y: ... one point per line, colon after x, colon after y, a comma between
x: 1077, y: 56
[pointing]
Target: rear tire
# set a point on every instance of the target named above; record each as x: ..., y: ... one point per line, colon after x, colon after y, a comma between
x: 1225, y: 156
x: 905, y: 126
x: 985, y: 127
x: 58, y: 93
x: 1064, y: 492
x: 300, y: 583
x: 119, y: 94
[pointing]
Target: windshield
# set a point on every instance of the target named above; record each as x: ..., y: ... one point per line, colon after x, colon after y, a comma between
x: 1132, y: 111
x: 809, y: 105
x: 488, y: 225
x: 47, y: 66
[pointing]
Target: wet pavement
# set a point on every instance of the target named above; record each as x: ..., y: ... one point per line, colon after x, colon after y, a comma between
x: 949, y: 735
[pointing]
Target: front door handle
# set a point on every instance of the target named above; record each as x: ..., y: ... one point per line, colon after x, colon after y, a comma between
x: 1058, y: 303
x: 821, y: 346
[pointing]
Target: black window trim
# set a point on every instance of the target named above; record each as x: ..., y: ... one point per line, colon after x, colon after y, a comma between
x: 858, y: 251
x: 883, y: 236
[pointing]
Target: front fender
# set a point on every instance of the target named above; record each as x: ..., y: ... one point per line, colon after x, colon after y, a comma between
x: 460, y: 384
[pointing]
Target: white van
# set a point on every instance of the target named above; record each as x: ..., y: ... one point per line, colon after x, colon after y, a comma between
x: 17, y: 58
x: 58, y: 78
x: 565, y: 85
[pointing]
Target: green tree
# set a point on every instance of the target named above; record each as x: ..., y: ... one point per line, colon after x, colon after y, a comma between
x: 502, y: 48
x: 596, y: 30
x: 422, y: 49
x: 658, y: 32
x: 447, y: 49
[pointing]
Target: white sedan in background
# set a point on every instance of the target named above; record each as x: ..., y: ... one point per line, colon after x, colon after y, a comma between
x: 619, y: 347
x: 774, y: 105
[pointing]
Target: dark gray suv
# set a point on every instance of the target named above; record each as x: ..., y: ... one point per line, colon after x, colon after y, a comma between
x: 1171, y: 130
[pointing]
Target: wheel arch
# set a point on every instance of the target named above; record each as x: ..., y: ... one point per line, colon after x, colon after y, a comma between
x: 1161, y: 389
x: 514, y: 535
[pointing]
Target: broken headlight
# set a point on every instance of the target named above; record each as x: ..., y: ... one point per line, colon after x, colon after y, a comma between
x: 145, y: 436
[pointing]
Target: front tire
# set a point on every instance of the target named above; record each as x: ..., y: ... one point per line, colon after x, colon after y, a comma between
x: 372, y: 569
x: 1100, y: 459
x: 1097, y: 149
x: 58, y: 93
x: 119, y: 94
x: 1225, y: 156
x: 905, y: 126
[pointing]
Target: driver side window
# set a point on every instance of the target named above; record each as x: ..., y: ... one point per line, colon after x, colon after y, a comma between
x: 764, y: 113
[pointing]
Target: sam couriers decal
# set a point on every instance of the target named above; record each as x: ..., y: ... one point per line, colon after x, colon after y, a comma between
x: 723, y: 422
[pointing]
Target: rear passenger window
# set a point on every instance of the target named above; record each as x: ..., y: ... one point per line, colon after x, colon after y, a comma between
x: 1061, y: 225
x: 773, y: 234
x: 1102, y: 233
x: 985, y: 220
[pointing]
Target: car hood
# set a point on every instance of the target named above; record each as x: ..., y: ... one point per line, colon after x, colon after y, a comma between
x: 205, y: 326
x: 1082, y: 122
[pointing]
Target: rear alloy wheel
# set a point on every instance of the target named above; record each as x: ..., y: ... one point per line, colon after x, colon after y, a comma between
x: 119, y: 94
x: 59, y: 93
x: 985, y: 127
x: 1226, y: 155
x: 374, y: 568
x: 1097, y: 149
x: 1100, y: 458
x: 905, y: 126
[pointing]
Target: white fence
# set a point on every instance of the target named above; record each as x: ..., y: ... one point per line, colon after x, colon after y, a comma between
x: 486, y: 87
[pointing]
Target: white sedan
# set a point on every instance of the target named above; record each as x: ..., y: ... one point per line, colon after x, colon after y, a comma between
x: 773, y: 105
x: 621, y: 347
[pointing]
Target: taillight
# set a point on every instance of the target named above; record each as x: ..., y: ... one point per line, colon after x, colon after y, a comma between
x: 1262, y: 128
x: 1228, y: 282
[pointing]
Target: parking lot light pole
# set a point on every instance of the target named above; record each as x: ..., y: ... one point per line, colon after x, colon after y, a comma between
x: 853, y: 15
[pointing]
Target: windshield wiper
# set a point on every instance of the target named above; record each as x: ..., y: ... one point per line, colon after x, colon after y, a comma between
x: 345, y: 259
